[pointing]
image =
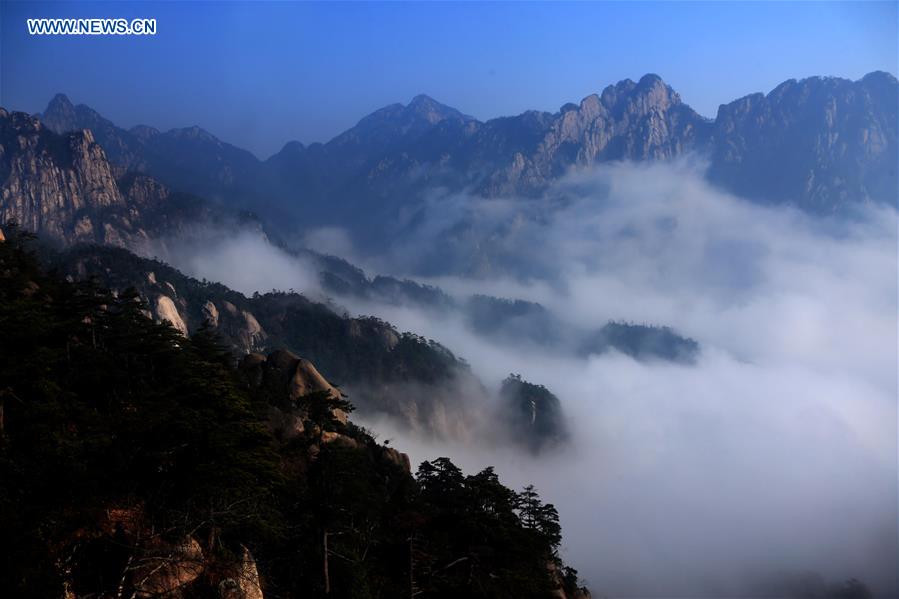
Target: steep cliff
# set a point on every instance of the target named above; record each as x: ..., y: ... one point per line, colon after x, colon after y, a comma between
x: 822, y: 143
x: 63, y: 187
x: 629, y: 121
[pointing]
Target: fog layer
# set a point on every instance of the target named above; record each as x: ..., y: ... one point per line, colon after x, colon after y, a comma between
x: 776, y: 451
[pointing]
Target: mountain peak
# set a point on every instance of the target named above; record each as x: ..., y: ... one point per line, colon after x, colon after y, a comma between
x: 60, y: 102
x: 433, y: 111
x: 653, y: 85
x: 143, y: 132
x: 649, y: 80
x: 194, y: 132
x: 423, y: 100
x: 292, y: 149
x: 880, y: 75
x: 650, y: 92
x: 60, y: 115
x: 880, y: 78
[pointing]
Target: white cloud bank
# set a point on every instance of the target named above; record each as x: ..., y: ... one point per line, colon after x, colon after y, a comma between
x: 777, y: 451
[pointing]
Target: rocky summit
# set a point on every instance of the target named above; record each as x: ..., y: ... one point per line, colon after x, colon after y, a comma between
x: 830, y: 143
x: 63, y: 187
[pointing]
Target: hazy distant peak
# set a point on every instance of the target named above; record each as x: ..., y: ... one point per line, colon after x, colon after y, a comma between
x: 60, y: 115
x: 432, y: 110
x: 650, y: 80
x: 60, y: 102
x: 194, y: 132
x: 650, y: 93
x: 423, y: 100
x: 656, y: 91
x: 393, y: 122
x: 880, y: 77
x: 625, y: 86
x: 789, y: 84
x: 144, y: 132
x: 650, y: 86
x: 292, y: 147
x: 591, y: 103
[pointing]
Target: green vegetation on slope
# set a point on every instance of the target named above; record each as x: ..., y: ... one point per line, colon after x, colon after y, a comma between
x: 137, y: 462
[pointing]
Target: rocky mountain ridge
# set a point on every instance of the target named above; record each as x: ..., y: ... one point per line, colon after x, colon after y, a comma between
x: 64, y: 188
x: 415, y: 381
x: 823, y: 144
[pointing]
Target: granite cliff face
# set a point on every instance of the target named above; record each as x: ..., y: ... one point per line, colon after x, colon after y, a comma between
x: 61, y: 116
x: 628, y: 121
x: 189, y: 159
x: 823, y: 143
x: 64, y: 188
x: 292, y: 376
x: 60, y: 186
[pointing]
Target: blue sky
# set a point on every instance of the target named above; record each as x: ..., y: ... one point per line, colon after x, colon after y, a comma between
x: 260, y: 74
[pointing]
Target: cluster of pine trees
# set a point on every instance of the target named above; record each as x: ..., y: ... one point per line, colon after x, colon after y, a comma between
x: 119, y: 436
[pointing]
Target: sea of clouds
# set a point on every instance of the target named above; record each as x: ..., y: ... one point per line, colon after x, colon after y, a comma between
x: 775, y: 454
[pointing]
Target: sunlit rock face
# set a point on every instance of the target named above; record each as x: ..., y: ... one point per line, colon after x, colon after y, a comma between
x: 60, y: 186
x: 166, y: 311
x: 294, y: 376
x: 629, y: 121
x: 65, y: 187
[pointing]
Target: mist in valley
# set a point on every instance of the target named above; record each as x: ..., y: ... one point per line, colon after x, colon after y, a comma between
x: 773, y: 454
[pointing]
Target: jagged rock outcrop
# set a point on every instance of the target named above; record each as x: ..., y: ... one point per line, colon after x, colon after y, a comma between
x: 629, y: 121
x: 245, y: 582
x: 251, y: 333
x: 62, y: 117
x: 166, y: 311
x: 533, y: 414
x: 397, y: 457
x: 239, y: 325
x: 211, y: 314
x: 189, y: 159
x: 168, y: 570
x: 61, y: 187
x: 565, y: 593
x: 285, y: 374
x: 295, y: 376
x: 155, y: 566
x: 64, y: 188
x: 822, y: 143
x: 164, y: 569
x: 384, y: 371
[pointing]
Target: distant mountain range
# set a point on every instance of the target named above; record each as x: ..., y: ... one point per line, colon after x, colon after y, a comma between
x: 63, y: 187
x: 823, y: 144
